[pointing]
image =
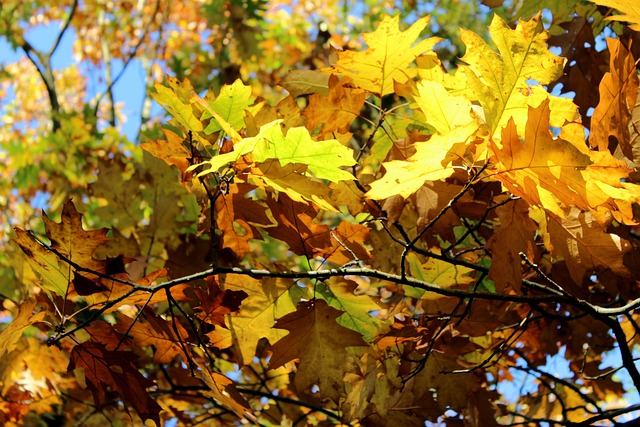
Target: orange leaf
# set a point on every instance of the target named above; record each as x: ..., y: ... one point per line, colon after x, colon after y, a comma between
x: 618, y: 93
x: 335, y: 111
x: 155, y: 332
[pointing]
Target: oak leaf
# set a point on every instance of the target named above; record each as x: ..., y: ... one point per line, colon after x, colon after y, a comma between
x: 173, y: 150
x: 432, y: 161
x: 358, y: 309
x: 322, y: 158
x: 437, y: 272
x: 224, y: 391
x: 559, y: 172
x: 11, y: 334
x: 291, y: 180
x: 515, y: 234
x: 629, y: 8
x: 156, y: 332
x: 580, y: 240
x: 503, y: 81
x: 267, y: 300
x: 319, y: 342
x: 231, y: 104
x: 618, y: 94
x: 305, y: 82
x: 347, y: 244
x: 177, y: 99
x: 296, y: 227
x: 215, y: 303
x: 70, y: 239
x: 114, y: 370
x: 388, y: 57
x: 237, y: 217
x: 335, y: 111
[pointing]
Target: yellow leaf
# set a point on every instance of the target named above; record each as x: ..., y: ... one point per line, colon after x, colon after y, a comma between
x: 435, y: 271
x: 290, y: 179
x: 431, y: 162
x: 442, y: 110
x: 388, y: 57
x: 630, y: 10
x: 268, y: 299
x: 504, y: 82
x: 224, y: 391
x: 11, y: 334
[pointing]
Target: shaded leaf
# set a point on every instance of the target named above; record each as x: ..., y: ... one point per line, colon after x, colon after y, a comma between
x: 316, y: 339
x: 114, y: 370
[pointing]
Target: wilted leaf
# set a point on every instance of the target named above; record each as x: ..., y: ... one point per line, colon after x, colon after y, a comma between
x: 157, y: 332
x: 305, y: 82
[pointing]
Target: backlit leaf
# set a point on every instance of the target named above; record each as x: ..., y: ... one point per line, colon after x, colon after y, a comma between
x: 388, y: 57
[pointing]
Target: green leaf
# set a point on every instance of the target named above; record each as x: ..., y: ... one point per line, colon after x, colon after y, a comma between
x: 322, y: 158
x: 438, y: 272
x: 230, y: 104
x: 176, y: 99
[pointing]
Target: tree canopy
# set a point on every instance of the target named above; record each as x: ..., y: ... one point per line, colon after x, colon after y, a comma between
x: 348, y: 213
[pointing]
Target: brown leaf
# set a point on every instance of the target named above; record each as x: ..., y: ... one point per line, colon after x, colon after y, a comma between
x: 69, y: 237
x: 237, y: 217
x: 104, y: 333
x: 296, y: 227
x: 114, y: 370
x: 316, y: 339
x: 215, y: 303
x: 580, y: 240
x: 224, y: 391
x: 515, y: 234
x: 348, y: 240
x: 155, y: 332
x: 85, y: 286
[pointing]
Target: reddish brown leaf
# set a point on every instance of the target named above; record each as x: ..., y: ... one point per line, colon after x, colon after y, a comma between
x: 514, y: 235
x: 114, y: 370
x: 215, y: 303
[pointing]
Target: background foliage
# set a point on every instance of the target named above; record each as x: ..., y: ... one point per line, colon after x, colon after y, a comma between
x: 358, y: 213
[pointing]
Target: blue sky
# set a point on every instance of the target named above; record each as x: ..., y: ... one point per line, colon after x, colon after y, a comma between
x: 129, y: 89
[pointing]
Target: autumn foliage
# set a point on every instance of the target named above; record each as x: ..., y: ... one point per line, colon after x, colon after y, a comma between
x: 386, y: 223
